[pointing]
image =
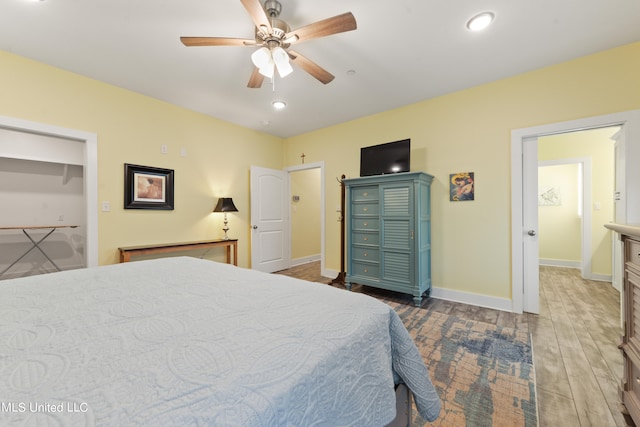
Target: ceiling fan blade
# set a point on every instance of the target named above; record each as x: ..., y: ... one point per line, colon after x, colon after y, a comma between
x: 216, y: 41
x: 311, y: 67
x: 256, y: 79
x: 257, y: 13
x: 326, y: 27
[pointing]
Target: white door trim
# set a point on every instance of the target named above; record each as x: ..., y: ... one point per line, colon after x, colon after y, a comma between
x: 90, y: 141
x: 308, y: 166
x: 630, y: 122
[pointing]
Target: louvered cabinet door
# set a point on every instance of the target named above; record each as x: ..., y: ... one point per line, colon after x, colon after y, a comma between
x: 398, y: 235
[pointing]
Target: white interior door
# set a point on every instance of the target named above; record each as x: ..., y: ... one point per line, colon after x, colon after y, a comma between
x: 530, y: 246
x: 269, y: 220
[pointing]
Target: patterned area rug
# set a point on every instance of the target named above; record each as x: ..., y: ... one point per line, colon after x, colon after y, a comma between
x: 483, y: 372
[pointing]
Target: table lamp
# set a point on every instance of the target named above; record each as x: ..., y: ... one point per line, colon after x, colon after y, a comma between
x: 225, y: 204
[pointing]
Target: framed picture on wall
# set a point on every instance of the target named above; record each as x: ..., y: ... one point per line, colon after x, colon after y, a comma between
x: 147, y: 187
x: 461, y: 186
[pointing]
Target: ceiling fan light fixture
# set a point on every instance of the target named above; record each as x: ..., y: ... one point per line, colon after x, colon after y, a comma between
x: 284, y: 69
x: 261, y: 58
x: 279, y: 104
x: 281, y: 60
x: 267, y: 71
x: 480, y: 21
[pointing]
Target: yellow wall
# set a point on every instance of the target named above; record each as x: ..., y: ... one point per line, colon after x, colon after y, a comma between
x: 305, y: 214
x: 599, y: 147
x: 470, y: 131
x: 131, y: 129
x: 559, y: 224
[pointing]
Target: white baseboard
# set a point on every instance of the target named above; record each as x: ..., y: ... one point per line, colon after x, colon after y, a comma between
x: 305, y: 260
x: 577, y: 265
x: 496, y: 303
x: 600, y: 277
x: 560, y: 263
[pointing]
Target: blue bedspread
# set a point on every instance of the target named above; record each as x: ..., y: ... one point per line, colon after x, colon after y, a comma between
x: 188, y: 342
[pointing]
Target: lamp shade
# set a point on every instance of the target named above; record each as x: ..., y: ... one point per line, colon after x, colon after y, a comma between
x: 225, y: 204
x: 281, y: 59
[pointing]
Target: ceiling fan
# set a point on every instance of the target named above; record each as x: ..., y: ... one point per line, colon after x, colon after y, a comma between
x: 274, y: 37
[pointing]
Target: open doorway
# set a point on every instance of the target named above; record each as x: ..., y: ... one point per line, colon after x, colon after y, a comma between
x: 575, y: 198
x: 524, y: 165
x: 306, y: 198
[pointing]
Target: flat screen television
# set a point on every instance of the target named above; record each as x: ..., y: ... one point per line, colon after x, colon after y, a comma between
x: 392, y: 157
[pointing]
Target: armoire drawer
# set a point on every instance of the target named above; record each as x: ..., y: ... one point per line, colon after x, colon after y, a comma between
x: 365, y: 193
x: 366, y: 209
x: 366, y: 254
x: 364, y: 238
x: 633, y: 252
x: 362, y: 269
x: 372, y: 224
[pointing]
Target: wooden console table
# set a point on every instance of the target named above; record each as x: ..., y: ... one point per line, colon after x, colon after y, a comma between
x: 127, y: 252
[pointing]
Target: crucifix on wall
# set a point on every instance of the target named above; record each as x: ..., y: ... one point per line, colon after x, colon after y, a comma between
x: 302, y: 156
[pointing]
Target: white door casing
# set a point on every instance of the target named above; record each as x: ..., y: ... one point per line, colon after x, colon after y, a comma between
x: 269, y: 219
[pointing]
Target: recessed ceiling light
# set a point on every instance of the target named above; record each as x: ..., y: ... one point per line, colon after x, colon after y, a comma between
x: 279, y: 105
x: 480, y: 21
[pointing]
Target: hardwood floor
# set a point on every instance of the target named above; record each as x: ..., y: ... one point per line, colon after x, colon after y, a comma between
x: 577, y: 362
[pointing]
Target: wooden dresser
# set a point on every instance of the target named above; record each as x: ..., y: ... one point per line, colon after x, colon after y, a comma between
x: 630, y: 346
x: 388, y: 230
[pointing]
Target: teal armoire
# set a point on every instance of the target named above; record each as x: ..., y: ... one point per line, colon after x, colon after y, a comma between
x: 388, y: 232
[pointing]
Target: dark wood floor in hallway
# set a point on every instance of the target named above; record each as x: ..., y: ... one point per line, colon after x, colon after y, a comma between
x: 578, y: 365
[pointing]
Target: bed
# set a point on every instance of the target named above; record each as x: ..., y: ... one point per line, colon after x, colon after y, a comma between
x: 189, y: 342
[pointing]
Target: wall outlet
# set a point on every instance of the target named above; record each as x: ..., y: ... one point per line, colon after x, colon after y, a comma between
x: 164, y: 149
x: 60, y: 217
x: 106, y: 206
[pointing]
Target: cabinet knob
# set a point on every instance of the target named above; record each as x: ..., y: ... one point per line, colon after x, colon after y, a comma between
x: 365, y: 194
x: 366, y: 270
x: 365, y: 239
x: 365, y: 209
x: 366, y: 254
x: 366, y: 224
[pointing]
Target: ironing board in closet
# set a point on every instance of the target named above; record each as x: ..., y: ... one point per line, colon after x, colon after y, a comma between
x: 35, y: 244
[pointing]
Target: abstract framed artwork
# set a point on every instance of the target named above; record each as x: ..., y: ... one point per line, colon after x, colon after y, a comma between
x: 147, y: 187
x: 461, y: 186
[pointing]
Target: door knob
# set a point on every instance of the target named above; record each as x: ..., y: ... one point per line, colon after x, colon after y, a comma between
x: 255, y: 227
x: 531, y: 232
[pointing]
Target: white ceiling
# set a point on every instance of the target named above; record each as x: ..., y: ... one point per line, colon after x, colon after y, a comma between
x: 403, y: 51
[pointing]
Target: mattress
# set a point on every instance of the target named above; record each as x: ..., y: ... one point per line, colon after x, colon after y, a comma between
x: 189, y: 342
